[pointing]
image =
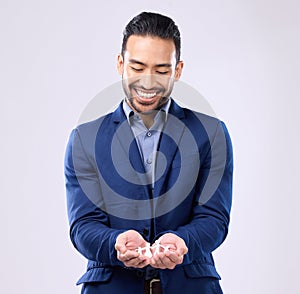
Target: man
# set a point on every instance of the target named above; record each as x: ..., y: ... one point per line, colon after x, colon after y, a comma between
x: 149, y: 185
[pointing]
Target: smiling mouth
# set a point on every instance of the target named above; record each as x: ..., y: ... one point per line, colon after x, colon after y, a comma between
x: 146, y: 95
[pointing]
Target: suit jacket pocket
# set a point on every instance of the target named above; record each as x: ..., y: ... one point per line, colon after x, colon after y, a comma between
x: 96, y: 274
x: 201, y: 270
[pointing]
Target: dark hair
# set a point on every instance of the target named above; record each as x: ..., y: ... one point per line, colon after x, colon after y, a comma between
x: 153, y: 24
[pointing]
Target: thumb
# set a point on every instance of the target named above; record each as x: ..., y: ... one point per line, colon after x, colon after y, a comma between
x: 121, y: 248
x: 182, y: 249
x: 120, y: 243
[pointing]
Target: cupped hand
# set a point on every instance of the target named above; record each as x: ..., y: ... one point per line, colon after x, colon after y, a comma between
x: 171, y: 253
x: 126, y: 246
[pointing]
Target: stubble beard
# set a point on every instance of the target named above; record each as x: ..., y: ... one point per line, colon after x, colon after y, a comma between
x: 128, y: 89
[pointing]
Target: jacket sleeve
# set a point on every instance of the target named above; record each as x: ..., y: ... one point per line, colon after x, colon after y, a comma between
x: 208, y: 226
x: 90, y: 230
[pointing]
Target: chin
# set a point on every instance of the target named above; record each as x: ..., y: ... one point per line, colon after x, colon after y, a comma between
x: 144, y: 107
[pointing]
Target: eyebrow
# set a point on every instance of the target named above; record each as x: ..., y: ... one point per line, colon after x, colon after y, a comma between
x: 143, y: 64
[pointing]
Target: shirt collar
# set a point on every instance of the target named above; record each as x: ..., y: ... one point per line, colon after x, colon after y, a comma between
x: 129, y: 112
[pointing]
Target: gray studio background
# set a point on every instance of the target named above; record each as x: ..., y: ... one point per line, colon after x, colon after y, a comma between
x: 242, y: 56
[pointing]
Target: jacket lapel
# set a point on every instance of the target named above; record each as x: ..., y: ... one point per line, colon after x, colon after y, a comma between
x: 124, y: 138
x: 174, y: 129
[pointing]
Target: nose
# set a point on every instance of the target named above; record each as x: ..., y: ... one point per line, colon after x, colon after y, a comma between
x: 148, y: 81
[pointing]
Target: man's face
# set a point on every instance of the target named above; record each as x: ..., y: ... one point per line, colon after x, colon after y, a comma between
x: 148, y: 71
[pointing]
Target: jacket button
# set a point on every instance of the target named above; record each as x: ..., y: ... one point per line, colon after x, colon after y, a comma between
x: 145, y: 232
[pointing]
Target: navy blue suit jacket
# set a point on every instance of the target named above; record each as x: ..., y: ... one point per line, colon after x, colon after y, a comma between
x: 108, y: 194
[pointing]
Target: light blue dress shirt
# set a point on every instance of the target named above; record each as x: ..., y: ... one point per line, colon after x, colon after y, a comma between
x: 147, y: 139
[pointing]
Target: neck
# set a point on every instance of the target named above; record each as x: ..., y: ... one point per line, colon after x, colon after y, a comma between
x: 148, y: 119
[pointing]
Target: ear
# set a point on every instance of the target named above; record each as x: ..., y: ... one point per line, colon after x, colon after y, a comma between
x: 120, y: 64
x: 178, y: 70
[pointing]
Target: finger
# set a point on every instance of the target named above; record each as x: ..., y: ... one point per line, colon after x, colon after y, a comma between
x: 169, y: 264
x: 143, y: 263
x: 182, y: 250
x: 120, y: 244
x: 157, y: 261
x: 138, y: 262
x: 171, y: 259
x: 164, y: 263
x: 174, y: 257
x: 121, y: 248
x: 128, y: 255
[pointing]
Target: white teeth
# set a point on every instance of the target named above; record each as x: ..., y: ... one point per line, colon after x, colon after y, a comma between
x: 145, y: 95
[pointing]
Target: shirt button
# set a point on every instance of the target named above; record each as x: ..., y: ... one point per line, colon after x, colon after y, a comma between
x: 149, y: 160
x: 149, y: 134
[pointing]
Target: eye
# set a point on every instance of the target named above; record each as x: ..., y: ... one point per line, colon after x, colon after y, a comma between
x: 162, y: 72
x: 136, y: 69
